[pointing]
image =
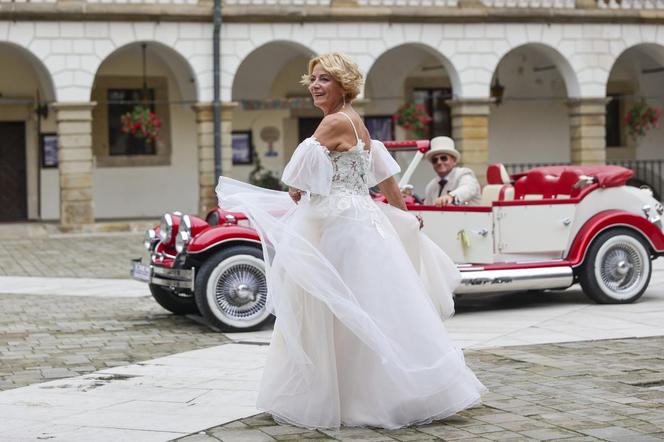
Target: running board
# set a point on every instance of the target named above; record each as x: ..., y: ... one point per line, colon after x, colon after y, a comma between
x: 492, y: 281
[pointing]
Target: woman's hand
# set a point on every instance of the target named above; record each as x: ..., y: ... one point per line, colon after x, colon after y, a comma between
x: 295, y: 194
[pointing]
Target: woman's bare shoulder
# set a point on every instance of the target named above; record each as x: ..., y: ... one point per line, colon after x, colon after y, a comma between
x: 334, y: 132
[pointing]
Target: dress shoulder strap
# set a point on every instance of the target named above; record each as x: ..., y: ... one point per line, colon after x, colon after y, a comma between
x: 357, y: 137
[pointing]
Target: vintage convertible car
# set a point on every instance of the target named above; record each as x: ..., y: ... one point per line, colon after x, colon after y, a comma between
x: 546, y: 228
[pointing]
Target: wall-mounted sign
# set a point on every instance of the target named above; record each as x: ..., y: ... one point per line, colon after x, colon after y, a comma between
x: 49, y: 150
x: 242, y: 147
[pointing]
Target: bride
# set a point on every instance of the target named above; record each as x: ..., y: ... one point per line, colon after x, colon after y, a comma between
x: 358, y: 291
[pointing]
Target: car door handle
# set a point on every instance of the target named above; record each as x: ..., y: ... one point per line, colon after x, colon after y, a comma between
x: 482, y: 232
x: 566, y: 221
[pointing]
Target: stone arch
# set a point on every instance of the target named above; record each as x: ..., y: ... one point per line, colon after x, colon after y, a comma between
x: 636, y: 74
x: 273, y: 108
x: 179, y: 66
x: 25, y: 83
x: 41, y: 71
x: 123, y: 161
x: 538, y: 82
x: 257, y: 72
x: 421, y: 53
x: 410, y: 72
x: 562, y: 64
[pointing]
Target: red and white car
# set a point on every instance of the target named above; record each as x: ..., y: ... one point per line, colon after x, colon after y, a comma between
x: 546, y: 228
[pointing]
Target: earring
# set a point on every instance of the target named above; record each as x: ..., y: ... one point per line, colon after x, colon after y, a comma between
x: 343, y: 97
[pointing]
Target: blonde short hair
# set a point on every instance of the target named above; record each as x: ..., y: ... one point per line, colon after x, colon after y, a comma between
x: 344, y: 70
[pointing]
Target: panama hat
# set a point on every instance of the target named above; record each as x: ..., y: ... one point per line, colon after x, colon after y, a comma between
x: 442, y: 145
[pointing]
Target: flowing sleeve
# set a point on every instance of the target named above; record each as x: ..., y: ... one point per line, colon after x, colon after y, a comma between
x: 310, y: 168
x: 382, y: 164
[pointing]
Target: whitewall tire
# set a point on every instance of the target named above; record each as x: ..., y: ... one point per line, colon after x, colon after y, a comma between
x: 231, y: 290
x: 617, y: 267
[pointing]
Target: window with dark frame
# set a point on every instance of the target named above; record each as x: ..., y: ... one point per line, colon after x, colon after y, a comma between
x: 613, y: 122
x: 380, y: 127
x: 441, y: 114
x: 120, y: 102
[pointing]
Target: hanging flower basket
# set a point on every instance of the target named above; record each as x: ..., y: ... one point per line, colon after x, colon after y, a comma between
x: 414, y: 118
x: 641, y: 118
x: 142, y: 123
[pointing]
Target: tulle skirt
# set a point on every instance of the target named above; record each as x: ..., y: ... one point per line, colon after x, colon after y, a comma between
x: 358, y: 292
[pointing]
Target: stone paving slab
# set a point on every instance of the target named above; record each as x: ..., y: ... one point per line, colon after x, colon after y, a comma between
x: 603, y: 390
x: 610, y: 390
x: 43, y: 339
x: 72, y: 256
x: 153, y: 400
x: 92, y: 287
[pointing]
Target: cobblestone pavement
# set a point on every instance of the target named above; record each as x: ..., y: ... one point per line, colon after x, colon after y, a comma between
x: 45, y: 338
x: 604, y: 390
x: 79, y: 256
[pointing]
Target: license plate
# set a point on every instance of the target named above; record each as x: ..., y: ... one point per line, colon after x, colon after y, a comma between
x: 140, y: 271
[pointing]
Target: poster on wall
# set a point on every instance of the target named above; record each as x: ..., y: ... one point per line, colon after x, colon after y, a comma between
x: 242, y: 147
x: 380, y: 127
x: 49, y: 150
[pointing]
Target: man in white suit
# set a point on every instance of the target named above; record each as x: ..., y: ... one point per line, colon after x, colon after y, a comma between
x: 453, y: 185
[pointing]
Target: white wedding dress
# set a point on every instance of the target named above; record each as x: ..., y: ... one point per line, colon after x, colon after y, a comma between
x: 358, y: 292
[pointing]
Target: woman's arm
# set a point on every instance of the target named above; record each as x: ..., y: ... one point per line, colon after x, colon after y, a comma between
x: 390, y: 189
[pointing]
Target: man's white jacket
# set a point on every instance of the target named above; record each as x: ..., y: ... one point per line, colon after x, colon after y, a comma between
x: 461, y: 183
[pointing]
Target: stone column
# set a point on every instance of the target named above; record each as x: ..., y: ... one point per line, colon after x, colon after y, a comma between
x: 74, y: 125
x: 587, y: 130
x: 470, y: 130
x: 207, y: 181
x: 227, y: 109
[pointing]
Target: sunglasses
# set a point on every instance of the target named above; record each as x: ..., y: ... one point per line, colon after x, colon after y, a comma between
x: 442, y: 158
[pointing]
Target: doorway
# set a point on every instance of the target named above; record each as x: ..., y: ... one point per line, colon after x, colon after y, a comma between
x: 307, y: 126
x: 13, y: 179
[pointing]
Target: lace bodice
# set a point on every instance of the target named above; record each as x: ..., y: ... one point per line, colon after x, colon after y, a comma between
x: 323, y: 173
x: 350, y: 171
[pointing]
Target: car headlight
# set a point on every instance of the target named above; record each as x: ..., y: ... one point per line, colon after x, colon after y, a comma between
x: 181, y: 241
x: 166, y: 227
x: 185, y: 224
x: 659, y: 208
x: 213, y: 218
x: 244, y: 223
x: 653, y: 214
x: 149, y: 237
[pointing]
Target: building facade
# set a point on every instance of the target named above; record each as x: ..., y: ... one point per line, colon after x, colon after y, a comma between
x: 72, y: 69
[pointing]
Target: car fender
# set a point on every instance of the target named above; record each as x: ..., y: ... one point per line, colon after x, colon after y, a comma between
x: 609, y: 219
x: 217, y: 235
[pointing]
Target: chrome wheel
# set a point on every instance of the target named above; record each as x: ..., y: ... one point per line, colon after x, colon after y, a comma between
x: 620, y: 268
x: 237, y: 291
